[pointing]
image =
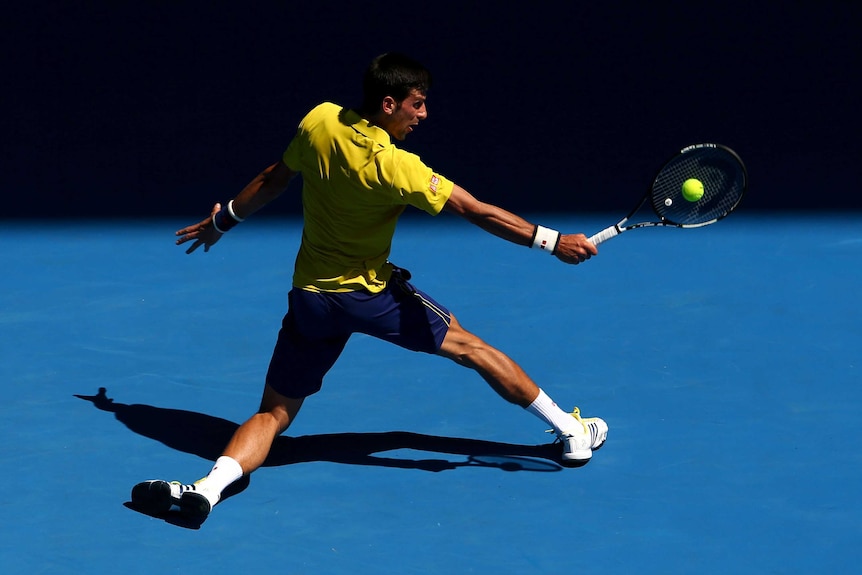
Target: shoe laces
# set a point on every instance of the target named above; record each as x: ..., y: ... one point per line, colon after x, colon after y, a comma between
x: 576, y: 413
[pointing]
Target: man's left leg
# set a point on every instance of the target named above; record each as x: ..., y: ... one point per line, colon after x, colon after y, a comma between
x: 245, y: 453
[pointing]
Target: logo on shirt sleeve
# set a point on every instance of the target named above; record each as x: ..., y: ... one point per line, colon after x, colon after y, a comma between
x: 435, y: 181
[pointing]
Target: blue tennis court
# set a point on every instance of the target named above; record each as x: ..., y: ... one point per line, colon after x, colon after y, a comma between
x: 725, y: 361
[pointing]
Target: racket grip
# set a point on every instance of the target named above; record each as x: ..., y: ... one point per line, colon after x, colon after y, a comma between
x: 604, y: 235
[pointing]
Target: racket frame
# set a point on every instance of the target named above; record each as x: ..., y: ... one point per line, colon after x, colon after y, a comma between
x: 621, y: 226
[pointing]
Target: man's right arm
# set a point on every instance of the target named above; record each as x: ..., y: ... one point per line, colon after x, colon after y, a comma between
x: 571, y: 248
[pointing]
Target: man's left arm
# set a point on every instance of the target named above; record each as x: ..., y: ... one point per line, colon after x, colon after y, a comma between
x: 264, y: 188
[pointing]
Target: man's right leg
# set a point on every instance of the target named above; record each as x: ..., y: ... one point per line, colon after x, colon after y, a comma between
x: 579, y: 436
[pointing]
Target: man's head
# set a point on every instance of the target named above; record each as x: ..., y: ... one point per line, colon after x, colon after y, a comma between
x: 394, y: 90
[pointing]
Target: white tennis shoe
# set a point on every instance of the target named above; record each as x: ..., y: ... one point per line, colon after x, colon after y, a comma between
x: 580, y: 441
x: 197, y: 503
x: 157, y: 497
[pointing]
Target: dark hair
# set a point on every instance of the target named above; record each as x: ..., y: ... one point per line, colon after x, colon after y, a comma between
x: 395, y: 75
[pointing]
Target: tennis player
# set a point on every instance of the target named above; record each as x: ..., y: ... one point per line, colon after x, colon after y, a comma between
x: 356, y: 184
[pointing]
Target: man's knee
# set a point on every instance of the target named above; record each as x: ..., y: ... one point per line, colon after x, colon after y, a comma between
x: 461, y: 345
x: 280, y: 407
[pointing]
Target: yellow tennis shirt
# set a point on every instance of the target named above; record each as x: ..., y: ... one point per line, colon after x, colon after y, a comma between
x: 356, y: 184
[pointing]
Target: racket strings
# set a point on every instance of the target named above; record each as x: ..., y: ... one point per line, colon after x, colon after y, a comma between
x: 723, y: 178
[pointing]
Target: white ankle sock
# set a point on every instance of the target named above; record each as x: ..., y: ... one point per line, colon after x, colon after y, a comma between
x: 225, y: 471
x: 545, y: 409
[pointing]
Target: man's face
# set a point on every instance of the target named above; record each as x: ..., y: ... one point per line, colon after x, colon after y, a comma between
x: 402, y: 116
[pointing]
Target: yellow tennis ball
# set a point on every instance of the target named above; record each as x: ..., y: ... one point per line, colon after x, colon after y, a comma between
x: 692, y: 189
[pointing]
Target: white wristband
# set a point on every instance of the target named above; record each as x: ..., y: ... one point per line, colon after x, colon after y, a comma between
x: 546, y: 239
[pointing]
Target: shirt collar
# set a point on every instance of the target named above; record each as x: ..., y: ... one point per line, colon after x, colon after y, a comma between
x: 357, y: 122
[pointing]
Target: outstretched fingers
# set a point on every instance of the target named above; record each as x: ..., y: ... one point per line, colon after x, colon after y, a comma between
x: 202, y: 233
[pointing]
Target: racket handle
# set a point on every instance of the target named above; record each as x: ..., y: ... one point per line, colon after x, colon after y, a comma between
x: 604, y: 235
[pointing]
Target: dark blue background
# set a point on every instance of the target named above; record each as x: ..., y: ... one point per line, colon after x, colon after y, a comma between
x: 164, y: 108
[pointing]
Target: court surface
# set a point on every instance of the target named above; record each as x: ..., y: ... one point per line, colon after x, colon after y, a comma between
x: 726, y: 361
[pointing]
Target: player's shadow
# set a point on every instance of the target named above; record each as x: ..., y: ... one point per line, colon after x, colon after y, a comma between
x: 206, y: 436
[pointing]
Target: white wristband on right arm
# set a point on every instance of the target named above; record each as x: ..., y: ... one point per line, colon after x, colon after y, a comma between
x: 546, y: 239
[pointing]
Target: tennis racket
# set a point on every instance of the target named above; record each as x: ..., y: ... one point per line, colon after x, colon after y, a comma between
x: 724, y: 181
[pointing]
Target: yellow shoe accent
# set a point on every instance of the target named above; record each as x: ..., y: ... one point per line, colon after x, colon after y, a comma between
x: 576, y: 413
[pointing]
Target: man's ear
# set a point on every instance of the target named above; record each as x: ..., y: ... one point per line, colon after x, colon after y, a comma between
x: 389, y: 105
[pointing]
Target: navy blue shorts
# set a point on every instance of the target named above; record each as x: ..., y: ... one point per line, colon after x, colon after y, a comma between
x: 318, y: 325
